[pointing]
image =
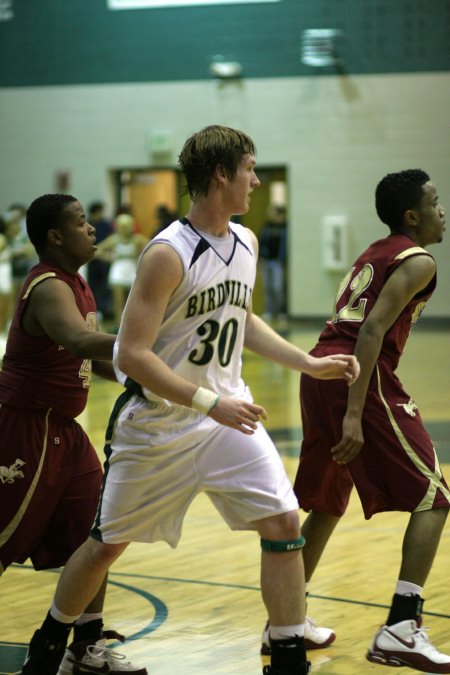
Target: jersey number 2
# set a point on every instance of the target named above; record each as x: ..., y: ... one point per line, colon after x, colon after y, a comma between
x: 355, y: 307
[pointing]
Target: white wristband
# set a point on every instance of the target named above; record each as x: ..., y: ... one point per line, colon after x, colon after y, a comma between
x: 204, y: 400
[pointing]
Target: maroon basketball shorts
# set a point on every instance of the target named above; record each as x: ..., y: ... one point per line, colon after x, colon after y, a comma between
x: 397, y: 468
x: 50, y: 480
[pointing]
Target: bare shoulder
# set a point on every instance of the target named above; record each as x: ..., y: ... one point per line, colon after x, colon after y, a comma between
x: 162, y: 252
x: 50, y: 289
x: 408, y: 279
x: 161, y: 261
x: 421, y: 268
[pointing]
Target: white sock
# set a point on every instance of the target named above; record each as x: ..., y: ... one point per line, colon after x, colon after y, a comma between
x: 286, y: 632
x: 407, y: 588
x: 62, y: 618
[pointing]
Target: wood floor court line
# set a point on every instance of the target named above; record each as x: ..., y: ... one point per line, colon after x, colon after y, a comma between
x: 162, y: 610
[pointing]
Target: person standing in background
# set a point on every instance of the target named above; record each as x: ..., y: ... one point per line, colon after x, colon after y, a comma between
x: 164, y: 217
x: 6, y: 283
x: 98, y: 269
x: 23, y: 255
x: 273, y: 249
x: 121, y: 250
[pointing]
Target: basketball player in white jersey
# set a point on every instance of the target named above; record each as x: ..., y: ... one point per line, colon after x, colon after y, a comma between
x: 186, y: 422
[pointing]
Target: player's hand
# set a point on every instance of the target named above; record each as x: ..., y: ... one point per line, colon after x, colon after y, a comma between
x: 351, y: 442
x: 334, y: 367
x: 238, y: 414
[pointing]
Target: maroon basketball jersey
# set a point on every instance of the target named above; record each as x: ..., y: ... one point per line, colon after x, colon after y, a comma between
x: 360, y: 288
x: 37, y: 373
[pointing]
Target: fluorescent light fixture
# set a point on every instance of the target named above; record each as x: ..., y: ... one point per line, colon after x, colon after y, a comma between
x: 141, y: 4
x: 225, y: 70
x: 6, y: 10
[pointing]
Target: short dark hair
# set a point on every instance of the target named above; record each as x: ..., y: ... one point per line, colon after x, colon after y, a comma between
x: 205, y: 150
x: 398, y: 192
x: 46, y: 213
x: 95, y: 207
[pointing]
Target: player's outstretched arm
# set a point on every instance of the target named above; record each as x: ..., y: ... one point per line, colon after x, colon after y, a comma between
x: 263, y: 340
x: 333, y: 367
x: 52, y: 311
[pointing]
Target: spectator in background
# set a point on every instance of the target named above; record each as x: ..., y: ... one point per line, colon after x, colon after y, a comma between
x: 127, y: 209
x: 273, y: 260
x: 122, y: 250
x: 164, y: 217
x: 23, y: 255
x: 19, y: 211
x: 98, y: 269
x: 6, y: 287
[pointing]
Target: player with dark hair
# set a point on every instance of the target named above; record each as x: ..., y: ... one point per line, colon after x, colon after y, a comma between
x: 398, y: 192
x: 51, y: 475
x: 371, y: 434
x: 186, y: 422
x: 47, y: 213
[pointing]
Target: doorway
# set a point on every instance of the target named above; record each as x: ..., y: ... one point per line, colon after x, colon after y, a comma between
x: 145, y: 190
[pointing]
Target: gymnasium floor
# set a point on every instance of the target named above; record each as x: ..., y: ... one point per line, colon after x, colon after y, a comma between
x: 198, y: 609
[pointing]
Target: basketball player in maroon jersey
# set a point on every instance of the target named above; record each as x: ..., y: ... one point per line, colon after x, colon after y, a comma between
x: 371, y: 434
x: 50, y: 475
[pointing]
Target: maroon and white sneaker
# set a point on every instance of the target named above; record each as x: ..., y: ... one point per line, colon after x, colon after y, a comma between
x: 316, y: 637
x: 407, y: 644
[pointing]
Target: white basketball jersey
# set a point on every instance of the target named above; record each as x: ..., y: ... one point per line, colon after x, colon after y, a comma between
x: 201, y: 337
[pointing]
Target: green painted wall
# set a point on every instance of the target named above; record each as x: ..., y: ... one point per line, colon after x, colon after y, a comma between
x: 49, y: 42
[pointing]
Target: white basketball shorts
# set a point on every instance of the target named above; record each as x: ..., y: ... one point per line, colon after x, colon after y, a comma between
x: 161, y: 458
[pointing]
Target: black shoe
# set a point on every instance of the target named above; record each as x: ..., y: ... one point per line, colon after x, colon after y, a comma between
x: 306, y: 668
x: 43, y: 656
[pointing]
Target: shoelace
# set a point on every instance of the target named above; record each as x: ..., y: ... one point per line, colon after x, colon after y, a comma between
x: 98, y: 652
x: 422, y: 634
x: 310, y: 626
